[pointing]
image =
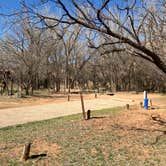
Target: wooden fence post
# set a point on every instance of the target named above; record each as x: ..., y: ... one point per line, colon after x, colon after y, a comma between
x: 150, y: 102
x: 95, y: 95
x: 83, y: 107
x: 68, y: 97
x: 26, y: 152
x: 88, y: 114
x: 127, y: 106
x: 141, y: 104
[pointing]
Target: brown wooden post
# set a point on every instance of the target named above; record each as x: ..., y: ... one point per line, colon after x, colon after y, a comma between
x: 82, y: 104
x: 95, y: 95
x: 127, y: 106
x: 141, y: 104
x: 26, y: 152
x: 150, y: 102
x: 88, y: 114
x: 68, y: 97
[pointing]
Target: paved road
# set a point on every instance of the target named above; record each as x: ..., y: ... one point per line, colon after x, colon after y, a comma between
x: 13, y: 116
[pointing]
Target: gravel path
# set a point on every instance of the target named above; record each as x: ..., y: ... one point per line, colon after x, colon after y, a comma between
x: 13, y: 116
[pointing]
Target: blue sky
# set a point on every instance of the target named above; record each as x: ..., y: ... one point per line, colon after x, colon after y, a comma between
x: 9, y: 6
x: 6, y: 7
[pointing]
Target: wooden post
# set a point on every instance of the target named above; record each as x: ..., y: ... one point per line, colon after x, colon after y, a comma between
x: 26, y: 152
x: 68, y: 97
x: 141, y: 104
x: 150, y: 102
x: 88, y: 114
x: 82, y: 104
x: 127, y: 106
x: 95, y: 95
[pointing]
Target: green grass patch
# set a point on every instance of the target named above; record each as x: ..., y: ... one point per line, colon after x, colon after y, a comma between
x: 80, y: 142
x: 12, y: 133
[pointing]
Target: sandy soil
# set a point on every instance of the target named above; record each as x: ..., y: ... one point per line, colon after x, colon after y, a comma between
x: 34, y: 109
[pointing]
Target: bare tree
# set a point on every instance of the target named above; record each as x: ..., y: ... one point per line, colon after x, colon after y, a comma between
x: 126, y: 22
x: 87, y: 45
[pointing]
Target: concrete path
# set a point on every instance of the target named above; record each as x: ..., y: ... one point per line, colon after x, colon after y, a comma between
x: 13, y: 116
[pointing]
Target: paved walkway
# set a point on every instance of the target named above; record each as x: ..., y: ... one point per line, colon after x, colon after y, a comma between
x: 13, y: 116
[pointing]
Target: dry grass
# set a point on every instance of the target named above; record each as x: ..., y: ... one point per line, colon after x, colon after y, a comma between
x: 111, y: 137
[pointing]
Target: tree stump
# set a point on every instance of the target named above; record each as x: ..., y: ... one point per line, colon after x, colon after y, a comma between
x: 127, y: 106
x: 88, y: 114
x: 26, y: 152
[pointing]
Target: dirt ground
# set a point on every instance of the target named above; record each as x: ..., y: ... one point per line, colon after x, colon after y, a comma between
x: 13, y: 102
x: 134, y: 137
x: 128, y: 137
x: 18, y: 111
x: 141, y: 133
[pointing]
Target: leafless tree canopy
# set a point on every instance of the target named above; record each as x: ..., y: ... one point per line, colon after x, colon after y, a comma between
x: 66, y: 44
x: 138, y: 24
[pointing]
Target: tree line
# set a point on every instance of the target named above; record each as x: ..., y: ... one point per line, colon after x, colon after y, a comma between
x: 114, y: 46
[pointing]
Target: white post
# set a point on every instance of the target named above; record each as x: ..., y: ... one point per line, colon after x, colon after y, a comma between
x: 145, y: 94
x: 145, y: 100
